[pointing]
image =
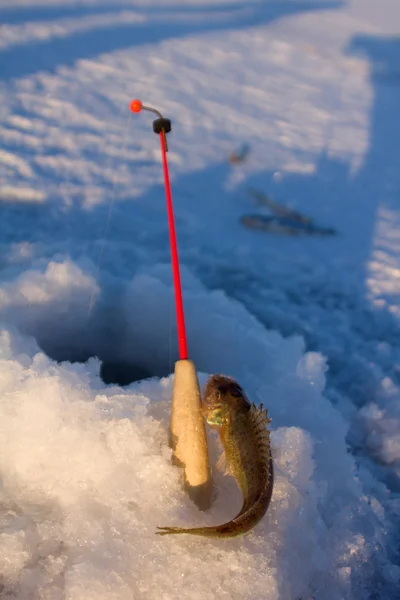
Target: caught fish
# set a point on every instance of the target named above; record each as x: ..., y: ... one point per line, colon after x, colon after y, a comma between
x: 247, y: 454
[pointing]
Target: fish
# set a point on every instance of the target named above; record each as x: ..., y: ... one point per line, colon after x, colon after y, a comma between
x: 242, y: 428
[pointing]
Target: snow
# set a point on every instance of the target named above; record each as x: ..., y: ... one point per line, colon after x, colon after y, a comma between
x: 86, y: 476
x: 310, y: 327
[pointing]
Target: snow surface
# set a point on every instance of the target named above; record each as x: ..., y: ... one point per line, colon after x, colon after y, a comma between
x: 310, y: 327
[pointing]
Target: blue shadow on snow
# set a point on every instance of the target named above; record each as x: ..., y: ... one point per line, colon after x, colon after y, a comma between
x: 48, y: 55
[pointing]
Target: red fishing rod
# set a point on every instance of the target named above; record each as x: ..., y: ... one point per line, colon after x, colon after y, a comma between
x: 162, y: 126
x: 188, y: 437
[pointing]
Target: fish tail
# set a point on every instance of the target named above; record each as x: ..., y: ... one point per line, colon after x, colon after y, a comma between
x: 228, y: 530
x: 248, y: 517
x: 219, y: 531
x: 168, y: 530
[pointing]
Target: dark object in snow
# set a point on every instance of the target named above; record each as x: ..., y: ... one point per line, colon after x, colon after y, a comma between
x: 284, y: 225
x: 279, y: 209
x: 285, y: 220
x: 239, y: 155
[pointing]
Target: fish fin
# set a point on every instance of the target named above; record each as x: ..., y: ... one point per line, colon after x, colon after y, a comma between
x: 222, y: 464
x: 261, y: 414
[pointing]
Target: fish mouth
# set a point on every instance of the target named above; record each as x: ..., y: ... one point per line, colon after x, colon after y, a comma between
x: 214, y: 415
x: 210, y: 407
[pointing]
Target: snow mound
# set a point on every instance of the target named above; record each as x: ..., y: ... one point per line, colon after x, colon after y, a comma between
x: 85, y: 471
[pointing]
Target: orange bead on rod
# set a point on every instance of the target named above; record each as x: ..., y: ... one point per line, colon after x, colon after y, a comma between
x: 136, y: 106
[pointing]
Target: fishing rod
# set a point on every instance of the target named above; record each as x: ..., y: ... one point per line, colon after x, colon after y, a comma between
x: 162, y: 126
x: 188, y: 437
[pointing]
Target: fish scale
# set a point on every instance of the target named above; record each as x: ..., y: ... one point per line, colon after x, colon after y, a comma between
x: 242, y: 428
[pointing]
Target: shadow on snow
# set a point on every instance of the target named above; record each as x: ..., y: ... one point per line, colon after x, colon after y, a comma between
x: 48, y: 55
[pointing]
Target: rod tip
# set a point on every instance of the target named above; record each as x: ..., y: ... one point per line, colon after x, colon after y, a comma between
x: 136, y: 106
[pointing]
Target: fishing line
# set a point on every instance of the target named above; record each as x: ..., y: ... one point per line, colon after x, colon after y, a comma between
x: 113, y: 196
x: 170, y: 334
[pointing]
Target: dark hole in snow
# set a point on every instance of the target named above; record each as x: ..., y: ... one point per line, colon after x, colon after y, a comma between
x: 122, y: 372
x: 119, y: 371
